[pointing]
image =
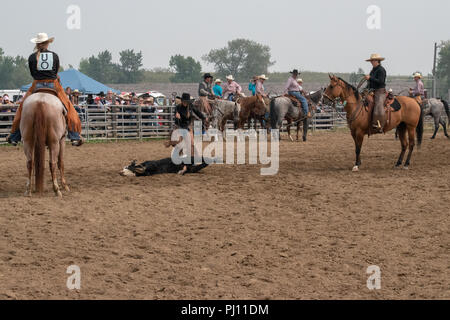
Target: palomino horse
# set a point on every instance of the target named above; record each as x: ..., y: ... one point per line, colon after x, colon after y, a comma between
x: 409, y: 118
x: 43, y: 124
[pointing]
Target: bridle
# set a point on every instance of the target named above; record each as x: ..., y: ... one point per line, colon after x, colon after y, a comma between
x: 355, y: 114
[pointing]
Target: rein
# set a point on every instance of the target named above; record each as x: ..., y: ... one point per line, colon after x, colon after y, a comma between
x: 354, y: 115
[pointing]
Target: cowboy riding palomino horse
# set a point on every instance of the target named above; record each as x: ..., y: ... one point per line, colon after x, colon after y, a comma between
x: 409, y: 118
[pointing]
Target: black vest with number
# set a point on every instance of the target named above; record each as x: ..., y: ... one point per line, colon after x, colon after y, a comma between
x: 46, y: 67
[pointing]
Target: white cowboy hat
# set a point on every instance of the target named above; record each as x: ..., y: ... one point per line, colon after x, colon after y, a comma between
x: 42, y: 37
x: 263, y: 76
x: 230, y: 77
x: 218, y: 80
x: 417, y: 75
x: 300, y: 80
x: 375, y: 56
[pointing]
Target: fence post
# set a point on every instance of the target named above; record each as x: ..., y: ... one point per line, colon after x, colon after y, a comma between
x: 114, y: 120
x: 87, y: 122
x: 139, y: 109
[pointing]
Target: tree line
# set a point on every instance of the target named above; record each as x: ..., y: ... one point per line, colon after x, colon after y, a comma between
x: 242, y: 58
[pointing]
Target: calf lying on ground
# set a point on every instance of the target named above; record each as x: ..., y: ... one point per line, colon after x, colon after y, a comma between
x: 149, y: 168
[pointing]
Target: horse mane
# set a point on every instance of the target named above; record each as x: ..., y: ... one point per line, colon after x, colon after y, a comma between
x: 351, y: 87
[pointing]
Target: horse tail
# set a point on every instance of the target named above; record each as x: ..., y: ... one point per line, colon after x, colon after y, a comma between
x: 419, y: 128
x: 447, y: 111
x: 40, y: 133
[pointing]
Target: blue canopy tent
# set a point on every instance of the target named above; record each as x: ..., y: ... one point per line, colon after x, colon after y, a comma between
x: 76, y: 80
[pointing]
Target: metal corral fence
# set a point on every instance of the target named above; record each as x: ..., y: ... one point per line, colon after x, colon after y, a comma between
x: 144, y: 122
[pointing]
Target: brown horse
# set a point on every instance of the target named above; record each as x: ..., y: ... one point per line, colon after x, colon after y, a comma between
x: 409, y: 118
x: 43, y: 124
x: 254, y: 105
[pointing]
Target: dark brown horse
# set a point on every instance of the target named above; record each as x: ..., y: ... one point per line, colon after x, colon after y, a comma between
x: 43, y: 124
x: 409, y: 118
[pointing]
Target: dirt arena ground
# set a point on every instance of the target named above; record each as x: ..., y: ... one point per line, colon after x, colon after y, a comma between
x: 308, y: 232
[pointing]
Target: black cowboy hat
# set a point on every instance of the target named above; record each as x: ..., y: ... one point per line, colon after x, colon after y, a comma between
x: 185, y: 97
x: 101, y: 94
x: 295, y: 71
x: 207, y: 75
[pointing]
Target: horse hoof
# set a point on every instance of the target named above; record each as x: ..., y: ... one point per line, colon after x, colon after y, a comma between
x: 58, y: 194
x: 397, y: 166
x: 67, y: 188
x: 290, y: 138
x: 432, y: 138
x: 27, y: 194
x: 405, y: 168
x: 355, y: 169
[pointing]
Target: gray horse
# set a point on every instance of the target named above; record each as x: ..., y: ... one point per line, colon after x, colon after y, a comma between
x: 436, y: 108
x: 282, y: 108
x: 224, y: 110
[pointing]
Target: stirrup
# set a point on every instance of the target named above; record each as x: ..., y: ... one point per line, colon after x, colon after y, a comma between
x: 77, y: 143
x: 8, y: 139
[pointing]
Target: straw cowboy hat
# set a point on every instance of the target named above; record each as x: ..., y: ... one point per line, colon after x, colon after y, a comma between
x: 230, y: 77
x: 300, y: 80
x: 42, y: 37
x: 417, y: 75
x: 263, y: 77
x: 218, y: 81
x: 375, y: 56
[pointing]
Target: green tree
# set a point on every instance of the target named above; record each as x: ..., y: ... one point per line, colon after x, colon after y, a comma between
x: 186, y: 69
x: 443, y: 68
x: 241, y: 58
x: 14, y: 71
x: 100, y: 68
x: 130, y: 64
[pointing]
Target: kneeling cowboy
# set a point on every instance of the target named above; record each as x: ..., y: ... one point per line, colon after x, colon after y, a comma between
x: 377, y: 83
x: 44, y: 66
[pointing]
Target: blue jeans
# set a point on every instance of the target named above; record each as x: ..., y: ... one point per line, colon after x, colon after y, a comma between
x: 230, y: 97
x: 302, y: 99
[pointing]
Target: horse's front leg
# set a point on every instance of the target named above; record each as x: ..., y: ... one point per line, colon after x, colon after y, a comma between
x: 358, y: 137
x: 305, y: 129
x: 288, y: 129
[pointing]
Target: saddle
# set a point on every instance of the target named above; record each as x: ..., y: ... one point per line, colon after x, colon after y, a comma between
x: 46, y: 90
x: 390, y: 101
x: 391, y: 104
x: 294, y: 100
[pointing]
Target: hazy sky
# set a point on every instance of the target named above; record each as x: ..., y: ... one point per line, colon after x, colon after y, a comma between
x: 316, y: 35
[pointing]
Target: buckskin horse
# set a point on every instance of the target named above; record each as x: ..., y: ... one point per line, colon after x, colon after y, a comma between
x: 43, y: 124
x: 409, y: 118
